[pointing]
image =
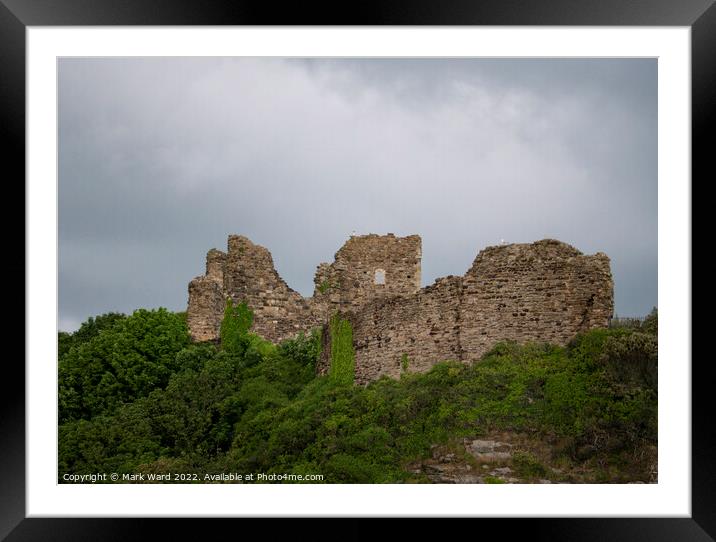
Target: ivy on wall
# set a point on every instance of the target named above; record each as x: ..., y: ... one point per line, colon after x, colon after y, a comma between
x: 342, y: 354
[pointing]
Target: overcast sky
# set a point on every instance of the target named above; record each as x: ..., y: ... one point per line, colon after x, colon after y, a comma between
x: 161, y: 159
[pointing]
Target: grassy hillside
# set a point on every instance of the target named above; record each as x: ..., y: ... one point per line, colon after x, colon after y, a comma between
x: 137, y: 397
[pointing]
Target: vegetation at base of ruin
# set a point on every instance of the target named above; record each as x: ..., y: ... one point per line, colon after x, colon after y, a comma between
x: 137, y: 397
x: 342, y: 369
x: 649, y: 324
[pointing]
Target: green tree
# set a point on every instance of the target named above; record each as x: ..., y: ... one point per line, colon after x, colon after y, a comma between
x: 120, y: 364
x: 88, y: 329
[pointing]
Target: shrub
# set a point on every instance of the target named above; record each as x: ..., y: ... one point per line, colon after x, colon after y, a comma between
x: 630, y: 361
x: 651, y: 322
x: 527, y: 465
x: 303, y: 350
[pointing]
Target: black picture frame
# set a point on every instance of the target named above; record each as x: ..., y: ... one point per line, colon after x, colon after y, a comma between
x: 16, y: 15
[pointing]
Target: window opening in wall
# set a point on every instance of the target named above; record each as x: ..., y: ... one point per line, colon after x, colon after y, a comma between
x: 379, y: 277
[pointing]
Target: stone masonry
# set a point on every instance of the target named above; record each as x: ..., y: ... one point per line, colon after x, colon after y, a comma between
x: 369, y: 267
x: 543, y: 291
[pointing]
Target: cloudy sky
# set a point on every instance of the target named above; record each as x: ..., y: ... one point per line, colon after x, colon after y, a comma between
x: 161, y: 159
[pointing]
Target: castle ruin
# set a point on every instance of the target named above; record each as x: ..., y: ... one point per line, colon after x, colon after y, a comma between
x: 543, y: 291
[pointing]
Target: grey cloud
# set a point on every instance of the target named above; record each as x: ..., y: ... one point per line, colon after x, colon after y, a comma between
x: 160, y: 159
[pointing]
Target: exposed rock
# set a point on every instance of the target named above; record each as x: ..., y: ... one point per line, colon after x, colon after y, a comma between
x: 451, y: 474
x: 489, y: 450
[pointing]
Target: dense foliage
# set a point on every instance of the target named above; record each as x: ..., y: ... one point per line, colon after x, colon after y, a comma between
x: 137, y: 396
x: 87, y: 330
x: 115, y: 360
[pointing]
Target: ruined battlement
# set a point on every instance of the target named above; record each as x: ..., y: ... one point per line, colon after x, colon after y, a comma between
x: 542, y: 291
x: 367, y: 267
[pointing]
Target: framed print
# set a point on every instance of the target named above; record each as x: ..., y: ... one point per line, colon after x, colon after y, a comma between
x: 501, y: 197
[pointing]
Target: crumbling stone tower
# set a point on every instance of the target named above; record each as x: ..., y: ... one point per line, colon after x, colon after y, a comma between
x: 369, y: 267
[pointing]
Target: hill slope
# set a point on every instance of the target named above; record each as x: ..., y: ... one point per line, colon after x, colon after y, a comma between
x: 137, y: 397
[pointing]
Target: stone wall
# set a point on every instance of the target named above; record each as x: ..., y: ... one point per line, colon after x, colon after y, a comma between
x: 207, y: 299
x: 350, y: 281
x: 251, y: 277
x: 215, y: 263
x: 543, y: 291
x: 424, y: 327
